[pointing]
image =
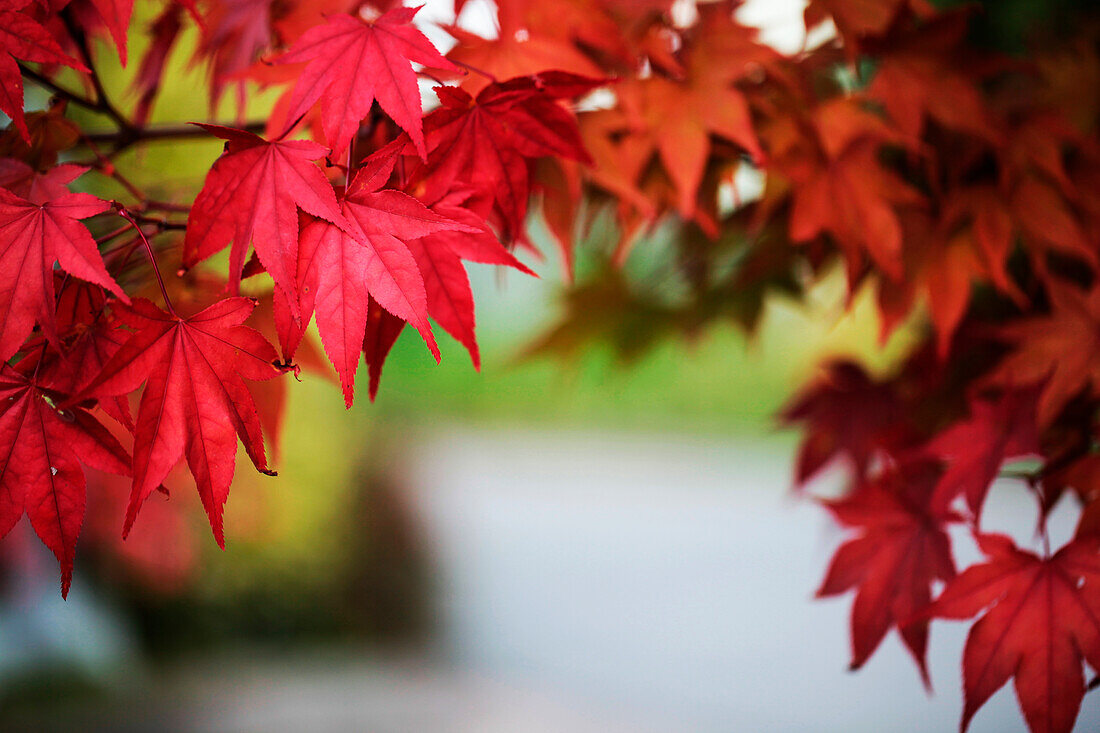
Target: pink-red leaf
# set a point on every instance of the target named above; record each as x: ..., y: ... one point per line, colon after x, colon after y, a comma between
x: 32, y: 238
x: 21, y: 37
x: 195, y: 402
x: 383, y: 328
x: 352, y: 63
x: 252, y: 194
x: 339, y: 271
x: 41, y: 449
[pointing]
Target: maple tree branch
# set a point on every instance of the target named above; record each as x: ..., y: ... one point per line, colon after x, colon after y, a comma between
x: 167, y: 206
x: 103, y: 102
x: 107, y: 168
x: 125, y: 250
x: 122, y: 139
x: 162, y: 225
x: 127, y: 134
x: 57, y: 89
x: 112, y: 235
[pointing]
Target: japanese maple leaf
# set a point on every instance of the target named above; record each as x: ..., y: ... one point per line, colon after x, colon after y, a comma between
x: 532, y: 37
x: 34, y: 186
x: 849, y: 193
x: 1049, y: 223
x: 849, y: 414
x: 339, y: 269
x: 926, y: 74
x: 352, y: 63
x: 32, y: 238
x: 234, y: 35
x: 383, y: 328
x: 941, y: 264
x: 41, y: 449
x: 679, y: 116
x: 974, y: 448
x: 115, y: 15
x: 199, y: 288
x: 991, y: 229
x: 901, y: 550
x: 89, y: 336
x: 253, y: 193
x: 484, y: 143
x: 22, y: 37
x: 195, y: 402
x: 165, y: 31
x: 439, y: 257
x: 1041, y: 620
x: 1060, y: 350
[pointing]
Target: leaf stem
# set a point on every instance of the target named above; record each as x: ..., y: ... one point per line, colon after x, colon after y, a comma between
x: 351, y: 161
x: 122, y: 211
x: 476, y: 70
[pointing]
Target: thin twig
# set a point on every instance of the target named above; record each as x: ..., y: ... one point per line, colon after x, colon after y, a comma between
x: 112, y: 235
x: 123, y: 139
x: 58, y: 91
x: 122, y: 211
x: 167, y: 206
x: 476, y: 70
x: 103, y: 102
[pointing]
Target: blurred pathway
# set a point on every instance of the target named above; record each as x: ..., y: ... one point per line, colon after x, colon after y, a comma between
x: 599, y: 583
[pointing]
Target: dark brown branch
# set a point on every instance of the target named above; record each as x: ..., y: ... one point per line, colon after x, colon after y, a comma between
x: 103, y: 102
x: 125, y: 138
x: 58, y: 91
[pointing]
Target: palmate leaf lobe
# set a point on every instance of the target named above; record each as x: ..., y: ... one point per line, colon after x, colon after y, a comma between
x: 195, y: 403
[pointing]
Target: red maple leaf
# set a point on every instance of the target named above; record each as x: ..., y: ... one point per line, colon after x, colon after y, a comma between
x: 532, y: 37
x: 484, y: 144
x: 115, y: 15
x: 1042, y: 620
x: 41, y: 449
x: 89, y: 336
x: 235, y: 33
x: 974, y: 448
x: 22, y: 37
x: 165, y: 30
x: 351, y: 63
x: 439, y: 256
x: 383, y: 328
x: 35, y: 186
x: 927, y: 73
x: 847, y: 191
x: 194, y: 398
x: 679, y: 117
x: 253, y: 193
x: 338, y: 269
x: 849, y: 414
x: 902, y: 549
x: 1061, y: 350
x: 32, y: 238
